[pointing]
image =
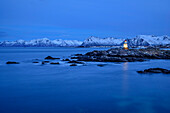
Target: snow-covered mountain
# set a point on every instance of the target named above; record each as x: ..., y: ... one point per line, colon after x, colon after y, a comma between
x: 95, y: 41
x: 145, y: 40
x: 141, y: 40
x: 41, y: 43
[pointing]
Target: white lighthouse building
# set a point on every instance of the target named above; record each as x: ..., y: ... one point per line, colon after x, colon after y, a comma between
x: 125, y: 45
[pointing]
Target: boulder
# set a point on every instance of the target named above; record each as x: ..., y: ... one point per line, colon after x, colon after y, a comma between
x: 73, y: 65
x: 101, y: 65
x: 155, y: 70
x: 35, y: 62
x: 42, y: 62
x: 74, y: 57
x: 51, y: 58
x: 46, y: 61
x: 11, y: 62
x: 78, y: 54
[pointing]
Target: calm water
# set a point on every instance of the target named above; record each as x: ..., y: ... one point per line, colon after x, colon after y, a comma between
x: 114, y: 88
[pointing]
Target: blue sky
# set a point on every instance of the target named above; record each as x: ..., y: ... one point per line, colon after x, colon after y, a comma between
x: 79, y: 19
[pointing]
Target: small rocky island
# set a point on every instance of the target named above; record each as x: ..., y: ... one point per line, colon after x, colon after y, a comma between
x: 155, y: 70
x: 123, y: 55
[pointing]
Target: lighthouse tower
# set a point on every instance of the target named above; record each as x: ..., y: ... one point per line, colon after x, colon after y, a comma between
x: 125, y: 45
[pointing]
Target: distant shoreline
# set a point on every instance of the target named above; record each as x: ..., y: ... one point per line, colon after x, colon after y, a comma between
x: 82, y: 47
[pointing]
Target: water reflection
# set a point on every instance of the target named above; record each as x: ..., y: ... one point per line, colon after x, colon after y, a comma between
x: 125, y: 79
x: 125, y: 66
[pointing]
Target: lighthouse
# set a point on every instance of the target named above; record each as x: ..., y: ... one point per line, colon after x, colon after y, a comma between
x: 125, y: 45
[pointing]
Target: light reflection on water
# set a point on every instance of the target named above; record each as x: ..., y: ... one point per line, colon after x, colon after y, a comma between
x: 125, y: 78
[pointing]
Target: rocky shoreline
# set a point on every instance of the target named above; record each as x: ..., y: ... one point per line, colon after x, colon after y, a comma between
x: 111, y: 55
x: 122, y: 55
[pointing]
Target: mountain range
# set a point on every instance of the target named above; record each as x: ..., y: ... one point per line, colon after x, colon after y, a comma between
x: 141, y: 40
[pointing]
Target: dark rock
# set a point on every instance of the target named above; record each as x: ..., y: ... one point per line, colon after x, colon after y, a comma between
x: 51, y: 58
x: 78, y: 54
x: 46, y: 61
x: 35, y: 59
x: 73, y: 61
x: 140, y: 71
x: 73, y: 65
x: 66, y: 59
x: 155, y: 70
x: 54, y: 63
x: 74, y: 57
x: 35, y: 62
x: 101, y: 65
x: 9, y: 62
x: 43, y: 62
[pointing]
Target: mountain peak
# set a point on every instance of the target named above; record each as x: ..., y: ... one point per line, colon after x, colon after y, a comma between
x: 140, y: 40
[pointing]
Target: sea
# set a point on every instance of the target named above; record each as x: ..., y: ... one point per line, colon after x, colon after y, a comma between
x: 45, y: 88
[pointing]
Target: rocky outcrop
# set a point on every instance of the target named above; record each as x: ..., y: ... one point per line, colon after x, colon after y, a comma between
x: 155, y: 70
x: 73, y: 65
x: 35, y: 62
x: 101, y: 65
x: 51, y: 58
x: 11, y: 62
x: 121, y: 55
